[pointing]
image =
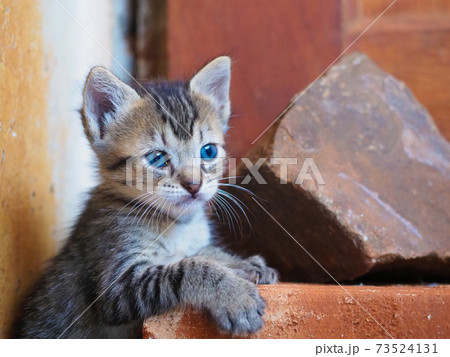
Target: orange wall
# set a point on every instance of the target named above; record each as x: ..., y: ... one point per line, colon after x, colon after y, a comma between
x: 27, y: 205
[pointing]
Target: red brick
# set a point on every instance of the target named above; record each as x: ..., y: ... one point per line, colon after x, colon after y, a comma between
x: 383, y: 207
x: 327, y: 311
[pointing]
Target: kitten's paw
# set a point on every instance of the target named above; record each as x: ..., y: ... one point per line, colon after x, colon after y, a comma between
x: 254, y: 269
x: 240, y: 308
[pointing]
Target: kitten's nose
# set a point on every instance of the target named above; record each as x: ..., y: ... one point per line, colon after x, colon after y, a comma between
x: 192, y: 188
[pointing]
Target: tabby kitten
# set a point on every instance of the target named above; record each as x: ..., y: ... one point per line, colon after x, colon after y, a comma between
x: 134, y: 253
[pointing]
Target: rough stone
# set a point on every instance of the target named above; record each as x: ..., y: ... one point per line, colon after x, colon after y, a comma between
x: 324, y: 311
x: 384, y: 207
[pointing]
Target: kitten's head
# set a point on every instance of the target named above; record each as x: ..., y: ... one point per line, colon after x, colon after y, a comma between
x: 163, y: 142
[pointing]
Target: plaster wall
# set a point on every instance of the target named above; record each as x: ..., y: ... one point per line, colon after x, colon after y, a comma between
x: 47, y: 48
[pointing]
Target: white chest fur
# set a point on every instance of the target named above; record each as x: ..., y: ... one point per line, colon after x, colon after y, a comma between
x: 182, y: 240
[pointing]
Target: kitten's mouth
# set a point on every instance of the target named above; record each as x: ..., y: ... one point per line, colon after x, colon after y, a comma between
x: 189, y: 199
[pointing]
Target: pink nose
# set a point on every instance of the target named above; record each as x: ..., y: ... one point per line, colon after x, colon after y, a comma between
x: 192, y: 188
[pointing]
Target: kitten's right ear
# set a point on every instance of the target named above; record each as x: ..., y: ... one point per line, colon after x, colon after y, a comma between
x: 104, y: 98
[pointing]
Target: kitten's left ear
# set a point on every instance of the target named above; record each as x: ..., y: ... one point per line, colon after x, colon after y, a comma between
x: 213, y: 81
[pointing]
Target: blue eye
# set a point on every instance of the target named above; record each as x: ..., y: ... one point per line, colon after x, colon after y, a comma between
x: 208, y: 152
x: 157, y: 159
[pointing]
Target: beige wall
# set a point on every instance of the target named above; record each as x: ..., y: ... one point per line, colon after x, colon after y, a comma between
x: 27, y: 202
x: 44, y: 158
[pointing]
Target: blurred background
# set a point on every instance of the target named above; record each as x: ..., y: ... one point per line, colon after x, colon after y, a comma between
x: 278, y: 47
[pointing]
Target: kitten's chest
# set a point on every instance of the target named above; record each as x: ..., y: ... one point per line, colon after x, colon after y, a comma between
x: 182, y: 240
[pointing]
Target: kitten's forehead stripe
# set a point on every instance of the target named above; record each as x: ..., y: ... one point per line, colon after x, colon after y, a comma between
x: 175, y: 106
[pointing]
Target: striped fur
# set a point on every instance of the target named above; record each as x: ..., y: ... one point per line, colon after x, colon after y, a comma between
x: 133, y: 253
x: 176, y: 106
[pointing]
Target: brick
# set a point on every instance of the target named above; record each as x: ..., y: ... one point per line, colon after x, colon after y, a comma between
x: 324, y: 311
x: 409, y: 29
x: 384, y: 207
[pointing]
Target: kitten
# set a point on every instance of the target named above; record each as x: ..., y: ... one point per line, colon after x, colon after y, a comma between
x: 133, y: 253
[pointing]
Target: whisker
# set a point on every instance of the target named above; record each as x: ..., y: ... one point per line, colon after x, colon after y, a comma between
x: 237, y: 202
x: 225, y: 212
x: 243, y: 189
x: 134, y: 199
x: 161, y: 209
x: 229, y: 177
x: 147, y: 210
x: 233, y: 213
x: 211, y: 204
x: 236, y: 214
x: 155, y: 211
x: 138, y: 204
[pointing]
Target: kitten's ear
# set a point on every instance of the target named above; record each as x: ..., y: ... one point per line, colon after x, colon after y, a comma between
x: 213, y: 81
x: 104, y: 97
